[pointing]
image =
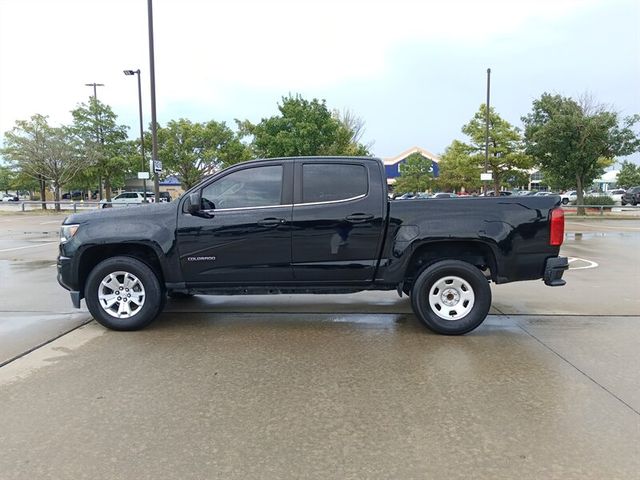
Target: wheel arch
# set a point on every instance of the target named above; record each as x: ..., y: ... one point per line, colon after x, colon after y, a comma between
x: 93, y: 255
x: 474, y: 252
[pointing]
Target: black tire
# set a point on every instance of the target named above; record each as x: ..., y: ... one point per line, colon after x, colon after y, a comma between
x: 565, y: 201
x: 150, y: 291
x: 179, y: 295
x: 471, y: 290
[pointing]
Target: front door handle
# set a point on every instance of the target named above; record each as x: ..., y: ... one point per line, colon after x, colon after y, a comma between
x: 359, y: 217
x: 271, y: 222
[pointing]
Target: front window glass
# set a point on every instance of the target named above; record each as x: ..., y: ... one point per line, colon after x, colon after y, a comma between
x: 252, y: 187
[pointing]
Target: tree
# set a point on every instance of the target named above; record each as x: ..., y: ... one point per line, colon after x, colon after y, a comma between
x: 194, y: 150
x: 573, y: 140
x: 26, y: 147
x: 458, y: 169
x: 629, y: 175
x: 43, y: 152
x: 350, y: 134
x: 416, y: 175
x: 506, y: 149
x: 7, y: 178
x: 305, y: 128
x: 102, y: 142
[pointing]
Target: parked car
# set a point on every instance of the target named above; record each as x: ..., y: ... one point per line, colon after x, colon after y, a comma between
x: 423, y: 195
x: 543, y: 194
x: 309, y: 225
x: 406, y: 196
x: 75, y: 195
x: 504, y: 193
x: 631, y: 196
x: 616, y: 195
x: 7, y: 197
x: 444, y: 195
x: 128, y: 198
x: 569, y: 197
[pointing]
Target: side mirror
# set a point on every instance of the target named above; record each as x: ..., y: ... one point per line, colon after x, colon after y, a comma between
x: 194, y: 203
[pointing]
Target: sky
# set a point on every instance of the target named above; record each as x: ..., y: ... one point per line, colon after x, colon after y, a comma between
x: 414, y: 71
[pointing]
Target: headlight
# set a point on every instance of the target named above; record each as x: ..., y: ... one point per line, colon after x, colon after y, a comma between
x: 67, y: 232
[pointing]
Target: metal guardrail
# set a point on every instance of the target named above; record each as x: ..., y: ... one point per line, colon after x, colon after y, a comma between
x: 602, y: 208
x: 70, y: 204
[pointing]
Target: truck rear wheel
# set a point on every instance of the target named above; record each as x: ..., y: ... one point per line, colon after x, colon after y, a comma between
x: 123, y: 293
x: 451, y: 297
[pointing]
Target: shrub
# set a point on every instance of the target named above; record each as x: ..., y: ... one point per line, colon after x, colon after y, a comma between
x: 599, y: 200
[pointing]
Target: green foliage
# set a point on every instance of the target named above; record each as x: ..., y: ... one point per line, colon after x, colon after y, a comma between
x: 416, y: 175
x: 629, y: 175
x: 103, y: 143
x: 194, y: 150
x: 45, y: 153
x: 303, y: 128
x: 7, y: 178
x: 458, y: 169
x: 24, y: 182
x: 574, y: 140
x: 597, y: 200
x: 506, y: 149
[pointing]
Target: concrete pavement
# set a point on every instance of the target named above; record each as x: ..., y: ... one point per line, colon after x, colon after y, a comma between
x: 321, y: 396
x: 326, y: 387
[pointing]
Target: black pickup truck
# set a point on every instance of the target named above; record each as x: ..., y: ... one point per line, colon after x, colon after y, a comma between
x: 309, y: 225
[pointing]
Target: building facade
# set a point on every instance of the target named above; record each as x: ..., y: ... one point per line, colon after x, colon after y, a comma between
x: 393, y: 165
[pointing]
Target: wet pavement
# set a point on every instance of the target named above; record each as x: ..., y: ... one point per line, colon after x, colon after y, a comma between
x: 321, y: 396
x: 324, y: 387
x: 33, y: 308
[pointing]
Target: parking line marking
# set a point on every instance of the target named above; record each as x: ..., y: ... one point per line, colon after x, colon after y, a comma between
x: 27, y: 246
x: 50, y: 221
x: 591, y: 263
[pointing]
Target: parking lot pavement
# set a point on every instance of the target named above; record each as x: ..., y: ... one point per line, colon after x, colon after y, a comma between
x: 320, y: 396
x: 33, y: 307
x: 320, y: 386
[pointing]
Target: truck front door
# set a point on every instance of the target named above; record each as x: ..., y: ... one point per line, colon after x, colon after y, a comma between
x: 243, y: 236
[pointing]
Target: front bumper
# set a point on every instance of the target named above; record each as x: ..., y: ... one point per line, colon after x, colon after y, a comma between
x: 66, y: 279
x: 553, y: 270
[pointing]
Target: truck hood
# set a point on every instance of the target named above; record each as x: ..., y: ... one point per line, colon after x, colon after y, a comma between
x: 125, y: 213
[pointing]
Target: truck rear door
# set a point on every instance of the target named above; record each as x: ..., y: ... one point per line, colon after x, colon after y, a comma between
x: 338, y: 220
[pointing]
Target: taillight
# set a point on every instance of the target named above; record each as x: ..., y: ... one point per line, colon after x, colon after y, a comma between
x: 557, y: 227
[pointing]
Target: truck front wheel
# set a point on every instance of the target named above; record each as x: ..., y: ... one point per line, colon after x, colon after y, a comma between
x: 451, y: 297
x: 123, y: 293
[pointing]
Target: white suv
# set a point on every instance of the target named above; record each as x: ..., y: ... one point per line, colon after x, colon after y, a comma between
x: 127, y: 198
x: 569, y: 197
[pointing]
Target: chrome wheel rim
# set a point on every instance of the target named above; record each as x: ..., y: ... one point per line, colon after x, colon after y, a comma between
x: 121, y: 294
x: 451, y: 298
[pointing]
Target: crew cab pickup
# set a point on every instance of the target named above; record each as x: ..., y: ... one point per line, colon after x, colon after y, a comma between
x: 309, y: 225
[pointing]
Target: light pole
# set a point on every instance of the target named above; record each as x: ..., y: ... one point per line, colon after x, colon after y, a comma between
x: 143, y: 169
x: 486, y: 132
x: 154, y: 125
x: 98, y: 137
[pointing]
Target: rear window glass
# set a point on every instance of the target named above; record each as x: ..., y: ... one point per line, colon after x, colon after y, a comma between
x: 326, y: 182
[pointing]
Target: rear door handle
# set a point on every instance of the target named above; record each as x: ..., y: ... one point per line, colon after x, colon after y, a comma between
x: 271, y: 222
x: 358, y: 217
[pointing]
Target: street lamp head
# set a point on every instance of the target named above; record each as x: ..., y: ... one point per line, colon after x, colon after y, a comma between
x: 129, y: 72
